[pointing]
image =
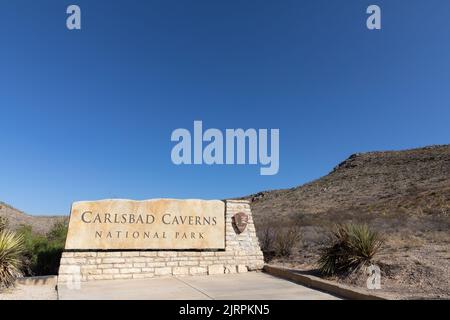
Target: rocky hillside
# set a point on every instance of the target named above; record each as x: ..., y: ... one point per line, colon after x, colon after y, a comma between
x: 412, y: 182
x: 404, y: 195
x: 16, y: 218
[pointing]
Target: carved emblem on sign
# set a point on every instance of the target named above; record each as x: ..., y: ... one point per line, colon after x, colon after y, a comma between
x: 240, y: 221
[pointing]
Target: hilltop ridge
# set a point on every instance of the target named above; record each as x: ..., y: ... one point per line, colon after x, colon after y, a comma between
x: 16, y: 218
x: 415, y: 180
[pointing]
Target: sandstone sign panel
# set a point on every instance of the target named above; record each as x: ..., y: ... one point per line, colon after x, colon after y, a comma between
x: 150, y: 224
x: 103, y: 255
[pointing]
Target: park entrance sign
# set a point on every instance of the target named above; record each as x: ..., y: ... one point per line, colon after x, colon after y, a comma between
x: 151, y: 224
x: 126, y: 239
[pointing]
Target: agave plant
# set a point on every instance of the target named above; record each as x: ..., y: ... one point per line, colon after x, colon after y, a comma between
x: 11, y: 249
x: 351, y: 247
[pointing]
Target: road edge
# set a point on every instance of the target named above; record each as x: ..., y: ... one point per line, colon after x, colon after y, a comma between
x: 320, y: 284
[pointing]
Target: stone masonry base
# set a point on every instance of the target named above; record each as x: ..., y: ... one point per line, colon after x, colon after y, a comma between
x: 242, y: 253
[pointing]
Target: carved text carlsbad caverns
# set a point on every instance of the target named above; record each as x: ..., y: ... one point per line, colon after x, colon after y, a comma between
x: 155, y: 224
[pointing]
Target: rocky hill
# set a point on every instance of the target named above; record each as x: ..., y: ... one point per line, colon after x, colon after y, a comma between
x: 412, y: 182
x: 16, y: 218
x: 404, y: 195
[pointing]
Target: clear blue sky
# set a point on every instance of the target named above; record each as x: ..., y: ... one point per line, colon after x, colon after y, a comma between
x: 88, y: 114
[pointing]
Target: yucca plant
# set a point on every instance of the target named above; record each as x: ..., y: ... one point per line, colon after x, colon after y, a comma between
x: 11, y: 249
x: 351, y: 247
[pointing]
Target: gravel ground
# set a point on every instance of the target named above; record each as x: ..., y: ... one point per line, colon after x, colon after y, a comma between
x: 411, y: 268
x: 29, y: 292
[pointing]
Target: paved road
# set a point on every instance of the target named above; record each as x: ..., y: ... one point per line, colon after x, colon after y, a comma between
x: 252, y: 285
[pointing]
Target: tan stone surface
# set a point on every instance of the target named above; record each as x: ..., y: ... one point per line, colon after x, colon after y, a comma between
x: 242, y: 268
x: 216, y: 269
x: 150, y: 224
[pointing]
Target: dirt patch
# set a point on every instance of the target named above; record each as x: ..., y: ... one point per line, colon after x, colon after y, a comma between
x: 412, y: 267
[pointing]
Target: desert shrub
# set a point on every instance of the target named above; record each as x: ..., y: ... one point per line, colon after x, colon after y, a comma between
x: 43, y: 253
x: 32, y: 243
x: 349, y: 248
x: 11, y: 249
x: 278, y: 240
x: 58, y: 233
x: 266, y: 237
x: 286, y: 240
x: 3, y: 223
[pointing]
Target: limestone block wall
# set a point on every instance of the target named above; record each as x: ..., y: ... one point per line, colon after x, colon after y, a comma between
x: 242, y: 253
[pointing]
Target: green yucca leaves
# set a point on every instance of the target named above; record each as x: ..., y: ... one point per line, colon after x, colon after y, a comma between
x: 351, y: 247
x: 11, y: 249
